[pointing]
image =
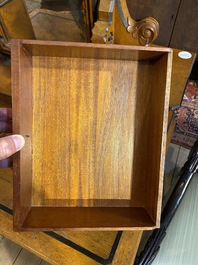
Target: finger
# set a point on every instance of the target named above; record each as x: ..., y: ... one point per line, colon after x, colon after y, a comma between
x: 10, y: 145
x: 5, y: 114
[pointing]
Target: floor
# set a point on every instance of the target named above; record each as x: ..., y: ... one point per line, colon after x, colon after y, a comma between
x: 60, y: 20
x: 179, y: 245
x: 11, y: 253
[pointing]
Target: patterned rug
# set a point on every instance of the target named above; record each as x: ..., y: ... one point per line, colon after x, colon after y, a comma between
x: 186, y: 129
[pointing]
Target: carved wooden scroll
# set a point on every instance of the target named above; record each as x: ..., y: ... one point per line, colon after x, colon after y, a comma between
x: 145, y: 30
x: 121, y: 28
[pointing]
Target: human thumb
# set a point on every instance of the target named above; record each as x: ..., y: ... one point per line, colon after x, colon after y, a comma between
x: 10, y: 145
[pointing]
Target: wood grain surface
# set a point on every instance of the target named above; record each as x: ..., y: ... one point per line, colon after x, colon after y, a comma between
x: 90, y: 128
x: 79, y: 248
x: 164, y: 12
x: 16, y: 20
x: 82, y: 126
x: 180, y: 73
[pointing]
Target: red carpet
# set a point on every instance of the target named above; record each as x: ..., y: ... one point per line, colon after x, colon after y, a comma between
x: 186, y: 129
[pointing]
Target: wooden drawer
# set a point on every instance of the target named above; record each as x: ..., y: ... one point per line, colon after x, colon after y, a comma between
x: 95, y: 120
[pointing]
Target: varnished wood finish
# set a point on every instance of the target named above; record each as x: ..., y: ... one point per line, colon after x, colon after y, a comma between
x: 124, y: 252
x: 87, y: 218
x: 121, y: 35
x: 120, y: 21
x: 164, y: 12
x: 177, y: 20
x: 92, y: 51
x: 56, y: 252
x: 90, y: 133
x: 21, y: 91
x: 157, y: 110
x: 181, y: 69
x: 144, y: 31
x: 103, y: 10
x: 15, y: 22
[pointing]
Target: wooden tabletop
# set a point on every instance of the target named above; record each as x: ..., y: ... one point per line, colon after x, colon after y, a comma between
x: 71, y: 248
